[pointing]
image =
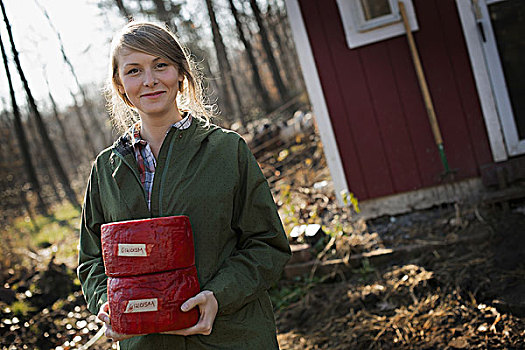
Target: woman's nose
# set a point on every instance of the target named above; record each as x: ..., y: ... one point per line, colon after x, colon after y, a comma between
x: 149, y: 78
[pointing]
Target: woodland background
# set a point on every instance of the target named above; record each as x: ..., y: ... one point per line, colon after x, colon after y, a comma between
x: 244, y: 50
x: 450, y: 277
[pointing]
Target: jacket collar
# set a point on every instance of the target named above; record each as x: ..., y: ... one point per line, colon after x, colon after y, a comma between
x: 125, y: 169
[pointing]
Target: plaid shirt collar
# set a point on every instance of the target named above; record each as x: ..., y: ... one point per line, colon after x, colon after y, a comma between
x: 146, y: 162
x: 136, y: 140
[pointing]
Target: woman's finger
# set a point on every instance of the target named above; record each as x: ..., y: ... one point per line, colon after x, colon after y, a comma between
x: 111, y: 334
x: 208, y: 308
x: 103, y: 313
x: 104, y: 318
x: 192, y: 302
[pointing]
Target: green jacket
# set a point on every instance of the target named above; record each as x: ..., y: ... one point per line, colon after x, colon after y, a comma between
x: 210, y: 175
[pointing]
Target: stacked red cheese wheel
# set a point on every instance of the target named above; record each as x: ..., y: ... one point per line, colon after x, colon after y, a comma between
x: 150, y: 266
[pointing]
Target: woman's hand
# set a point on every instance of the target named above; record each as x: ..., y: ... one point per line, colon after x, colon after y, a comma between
x: 103, y: 315
x: 208, y: 308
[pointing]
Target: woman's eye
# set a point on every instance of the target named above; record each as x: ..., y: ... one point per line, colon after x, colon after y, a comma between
x: 162, y: 65
x: 132, y: 71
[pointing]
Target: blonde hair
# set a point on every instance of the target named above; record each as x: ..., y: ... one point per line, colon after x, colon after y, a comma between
x: 159, y: 41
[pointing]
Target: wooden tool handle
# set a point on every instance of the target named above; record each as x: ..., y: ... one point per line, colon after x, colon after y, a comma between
x: 421, y: 77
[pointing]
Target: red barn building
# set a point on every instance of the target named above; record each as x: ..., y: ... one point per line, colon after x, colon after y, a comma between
x: 370, y: 109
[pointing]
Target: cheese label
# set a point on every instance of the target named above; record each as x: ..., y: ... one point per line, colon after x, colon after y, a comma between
x: 128, y: 249
x: 142, y: 305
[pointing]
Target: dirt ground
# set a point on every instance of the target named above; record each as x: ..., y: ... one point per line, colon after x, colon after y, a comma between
x: 465, y: 295
x: 461, y: 285
x: 468, y: 295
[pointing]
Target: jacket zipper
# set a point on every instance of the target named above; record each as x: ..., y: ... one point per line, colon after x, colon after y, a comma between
x: 164, y: 173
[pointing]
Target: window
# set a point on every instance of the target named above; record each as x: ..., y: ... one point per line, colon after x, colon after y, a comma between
x: 370, y: 14
x: 369, y: 21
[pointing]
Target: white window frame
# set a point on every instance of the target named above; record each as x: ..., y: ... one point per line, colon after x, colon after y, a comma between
x: 363, y: 25
x: 359, y: 31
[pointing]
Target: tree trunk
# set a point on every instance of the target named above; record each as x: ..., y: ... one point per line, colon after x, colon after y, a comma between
x: 122, y: 9
x: 224, y: 65
x: 67, y: 144
x: 193, y: 42
x: 268, y: 50
x: 273, y: 20
x: 106, y: 139
x: 256, y: 78
x: 12, y: 164
x: 85, y: 130
x: 21, y: 136
x: 42, y: 163
x: 50, y: 148
x: 141, y: 7
x: 164, y: 14
x: 285, y: 29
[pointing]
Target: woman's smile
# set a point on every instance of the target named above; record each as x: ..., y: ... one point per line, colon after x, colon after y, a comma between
x: 153, y: 95
x: 151, y: 84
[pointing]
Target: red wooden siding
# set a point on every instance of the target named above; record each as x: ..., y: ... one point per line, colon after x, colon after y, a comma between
x: 376, y: 107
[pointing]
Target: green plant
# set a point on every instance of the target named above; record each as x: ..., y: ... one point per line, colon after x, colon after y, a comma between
x: 365, y: 270
x: 21, y: 308
x: 349, y: 198
x: 288, y: 292
x: 24, y: 239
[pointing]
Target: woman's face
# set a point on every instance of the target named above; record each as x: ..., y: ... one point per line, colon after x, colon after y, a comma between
x: 151, y: 83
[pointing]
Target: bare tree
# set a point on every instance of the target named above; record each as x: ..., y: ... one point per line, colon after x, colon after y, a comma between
x: 85, y: 130
x: 224, y: 64
x: 50, y: 148
x: 268, y: 50
x: 63, y: 134
x: 21, y: 135
x: 289, y: 45
x: 104, y: 133
x: 141, y: 7
x: 13, y: 165
x: 256, y: 78
x: 122, y: 8
x: 188, y: 32
x: 163, y: 13
x: 37, y: 149
x: 273, y: 20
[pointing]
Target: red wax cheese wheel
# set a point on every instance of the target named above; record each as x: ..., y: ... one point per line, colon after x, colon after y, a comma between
x: 151, y: 303
x: 138, y: 247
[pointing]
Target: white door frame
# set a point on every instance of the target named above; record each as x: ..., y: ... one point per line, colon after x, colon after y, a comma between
x: 515, y: 146
x: 316, y: 94
x: 490, y: 81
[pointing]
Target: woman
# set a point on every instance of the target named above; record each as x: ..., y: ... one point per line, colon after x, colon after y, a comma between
x: 174, y: 162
